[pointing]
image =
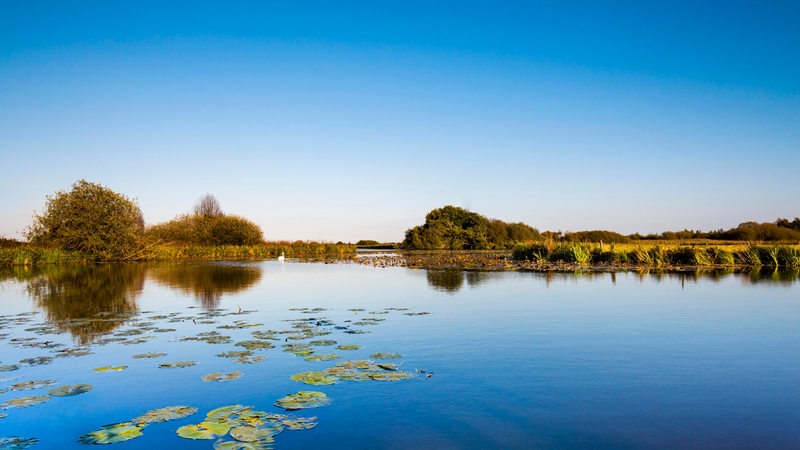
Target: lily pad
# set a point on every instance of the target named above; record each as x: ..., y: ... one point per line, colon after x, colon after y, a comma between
x: 69, y: 391
x: 303, y: 400
x: 111, y: 434
x: 348, y: 347
x: 24, y: 402
x: 17, y: 443
x: 176, y: 364
x: 235, y: 354
x: 219, y: 376
x: 322, y: 343
x: 148, y: 355
x: 314, y: 378
x: 323, y: 357
x: 249, y: 433
x: 298, y: 349
x: 195, y: 432
x: 164, y: 414
x: 33, y: 384
x: 255, y: 345
x: 8, y: 367
x: 386, y: 355
x: 110, y: 368
x: 249, y: 359
x: 300, y: 423
x: 37, y: 361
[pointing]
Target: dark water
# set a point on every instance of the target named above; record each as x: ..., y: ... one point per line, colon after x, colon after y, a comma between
x: 516, y: 360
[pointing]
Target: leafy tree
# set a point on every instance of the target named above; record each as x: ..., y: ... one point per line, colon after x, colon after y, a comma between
x: 208, y: 207
x: 90, y: 218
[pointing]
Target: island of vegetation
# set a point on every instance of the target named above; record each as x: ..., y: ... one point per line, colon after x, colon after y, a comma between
x: 91, y: 223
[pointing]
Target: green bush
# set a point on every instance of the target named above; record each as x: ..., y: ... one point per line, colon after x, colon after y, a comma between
x: 92, y: 219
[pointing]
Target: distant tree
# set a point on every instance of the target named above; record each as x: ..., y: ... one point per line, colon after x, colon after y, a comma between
x: 90, y: 218
x: 208, y: 207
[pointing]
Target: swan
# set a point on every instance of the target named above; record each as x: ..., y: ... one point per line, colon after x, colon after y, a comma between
x: 281, y: 258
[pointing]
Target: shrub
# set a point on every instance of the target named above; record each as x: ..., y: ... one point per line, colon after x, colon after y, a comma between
x: 90, y: 218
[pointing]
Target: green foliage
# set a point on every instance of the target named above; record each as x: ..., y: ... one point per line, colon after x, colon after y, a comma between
x: 454, y: 228
x: 596, y: 236
x: 91, y: 219
x: 208, y: 230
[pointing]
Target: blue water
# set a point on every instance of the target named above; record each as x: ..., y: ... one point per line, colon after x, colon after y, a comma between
x: 518, y: 360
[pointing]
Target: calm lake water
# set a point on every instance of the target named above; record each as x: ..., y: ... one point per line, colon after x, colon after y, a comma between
x: 496, y: 360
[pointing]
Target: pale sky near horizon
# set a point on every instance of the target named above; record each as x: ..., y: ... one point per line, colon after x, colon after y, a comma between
x: 351, y: 120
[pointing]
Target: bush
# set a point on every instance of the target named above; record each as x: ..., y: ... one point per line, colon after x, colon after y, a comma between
x: 92, y: 219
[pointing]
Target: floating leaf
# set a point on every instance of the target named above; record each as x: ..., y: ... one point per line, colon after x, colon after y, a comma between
x: 235, y: 354
x: 324, y: 357
x: 218, y: 376
x: 148, y: 355
x: 111, y: 434
x: 255, y: 345
x: 33, y: 384
x: 24, y: 402
x: 164, y: 414
x: 248, y: 433
x: 17, y: 443
x: 314, y: 378
x: 298, y: 349
x: 110, y: 368
x: 8, y: 367
x: 249, y: 359
x: 69, y: 391
x: 176, y: 364
x: 349, y: 347
x: 195, y: 432
x: 300, y: 423
x: 226, y: 411
x: 389, y: 376
x: 417, y: 313
x: 37, y: 361
x: 67, y: 352
x: 303, y: 400
x: 322, y: 343
x: 386, y: 355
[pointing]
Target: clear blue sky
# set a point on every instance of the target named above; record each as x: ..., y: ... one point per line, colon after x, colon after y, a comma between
x: 351, y: 120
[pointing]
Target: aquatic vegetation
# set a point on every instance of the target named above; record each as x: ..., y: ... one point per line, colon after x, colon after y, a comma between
x: 67, y: 352
x: 255, y: 345
x: 17, y: 443
x: 364, y: 369
x: 348, y: 347
x: 424, y: 313
x: 69, y: 391
x: 37, y: 361
x: 211, y: 337
x: 110, y: 368
x: 298, y: 349
x: 235, y: 354
x: 148, y: 355
x: 177, y: 364
x: 33, y: 384
x: 385, y: 355
x: 314, y: 378
x: 219, y: 376
x: 8, y: 367
x: 323, y: 357
x: 303, y: 400
x: 322, y: 343
x: 249, y: 359
x: 164, y: 414
x: 24, y: 402
x: 112, y: 434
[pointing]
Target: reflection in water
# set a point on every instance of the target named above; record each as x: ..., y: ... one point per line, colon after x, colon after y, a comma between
x: 447, y: 280
x: 207, y: 282
x: 86, y: 300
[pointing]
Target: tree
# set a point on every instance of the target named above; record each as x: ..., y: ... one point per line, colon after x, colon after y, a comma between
x: 90, y: 218
x: 208, y: 207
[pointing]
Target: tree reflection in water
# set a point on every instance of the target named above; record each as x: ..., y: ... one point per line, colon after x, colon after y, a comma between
x: 86, y: 300
x: 207, y: 281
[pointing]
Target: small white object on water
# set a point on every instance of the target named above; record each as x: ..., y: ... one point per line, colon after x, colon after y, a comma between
x: 281, y: 258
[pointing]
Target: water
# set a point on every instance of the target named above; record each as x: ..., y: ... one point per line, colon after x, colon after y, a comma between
x: 516, y: 360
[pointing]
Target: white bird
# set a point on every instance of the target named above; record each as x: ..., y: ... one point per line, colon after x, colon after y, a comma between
x: 281, y: 258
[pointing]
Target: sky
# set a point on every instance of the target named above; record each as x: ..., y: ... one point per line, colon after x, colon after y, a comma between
x: 341, y: 121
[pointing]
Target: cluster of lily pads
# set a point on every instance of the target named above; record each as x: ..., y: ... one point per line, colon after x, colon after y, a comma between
x: 232, y: 426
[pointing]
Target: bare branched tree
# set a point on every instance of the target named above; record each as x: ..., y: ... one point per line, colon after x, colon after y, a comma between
x: 208, y: 207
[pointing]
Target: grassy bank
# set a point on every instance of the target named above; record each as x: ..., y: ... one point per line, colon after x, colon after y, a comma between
x: 661, y: 255
x: 26, y: 255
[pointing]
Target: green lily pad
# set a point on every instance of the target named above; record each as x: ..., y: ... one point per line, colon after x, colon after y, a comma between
x: 386, y: 355
x: 33, y: 384
x: 300, y: 423
x: 249, y: 433
x: 148, y: 355
x: 24, y: 402
x: 348, y: 347
x: 266, y: 444
x: 176, y: 364
x: 195, y: 432
x: 3, y: 415
x: 226, y: 411
x: 314, y: 378
x: 389, y: 376
x: 73, y: 352
x: 111, y: 434
x: 37, y: 361
x: 164, y: 414
x: 110, y: 368
x: 17, y: 443
x: 298, y: 349
x: 69, y: 391
x: 219, y: 376
x: 255, y: 345
x: 322, y: 343
x: 303, y: 400
x: 8, y: 367
x: 235, y: 354
x: 249, y: 359
x: 323, y: 357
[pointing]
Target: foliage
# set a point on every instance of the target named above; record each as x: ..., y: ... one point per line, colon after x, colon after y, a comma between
x: 92, y: 219
x: 208, y: 207
x: 454, y: 228
x: 596, y: 236
x: 208, y: 230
